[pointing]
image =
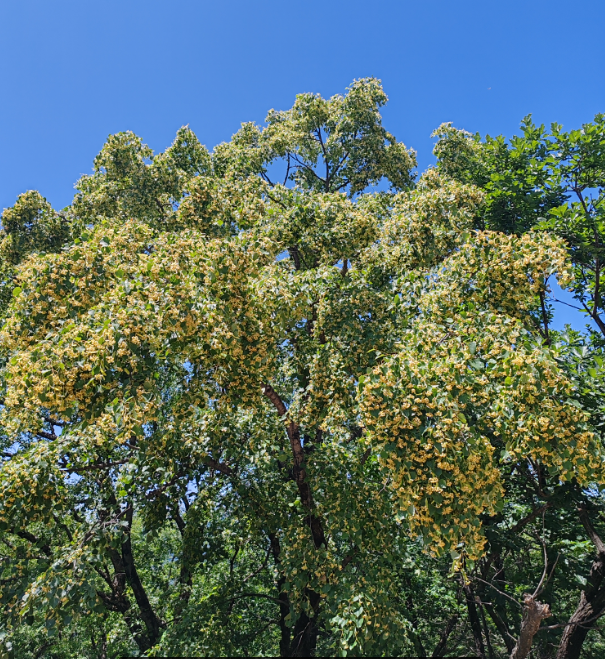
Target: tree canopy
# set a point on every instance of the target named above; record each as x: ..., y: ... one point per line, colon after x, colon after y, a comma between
x: 290, y: 397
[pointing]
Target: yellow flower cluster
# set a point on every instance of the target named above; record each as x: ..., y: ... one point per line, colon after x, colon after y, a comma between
x: 95, y: 325
x: 465, y: 379
x: 425, y: 226
x: 498, y: 271
x: 30, y: 488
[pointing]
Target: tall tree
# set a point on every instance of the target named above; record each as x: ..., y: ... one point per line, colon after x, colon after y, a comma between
x: 243, y: 416
x: 555, y: 182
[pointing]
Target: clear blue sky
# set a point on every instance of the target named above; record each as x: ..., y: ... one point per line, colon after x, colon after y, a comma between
x: 72, y: 72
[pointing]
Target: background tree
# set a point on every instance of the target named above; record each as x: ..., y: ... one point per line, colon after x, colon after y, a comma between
x: 552, y: 181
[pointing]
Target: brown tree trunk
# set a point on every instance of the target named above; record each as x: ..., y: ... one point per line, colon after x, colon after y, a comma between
x: 584, y: 618
x: 304, y: 639
x: 533, y: 614
x: 185, y: 576
x: 298, y: 469
x: 150, y: 620
x: 440, y: 648
x: 592, y: 599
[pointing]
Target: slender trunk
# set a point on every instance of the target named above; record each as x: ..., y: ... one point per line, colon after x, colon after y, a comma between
x: 305, y: 630
x: 185, y: 576
x: 544, y: 317
x: 284, y: 605
x: 473, y: 617
x: 495, y: 606
x: 298, y: 469
x: 488, y: 640
x: 295, y: 256
x: 417, y: 643
x: 125, y: 572
x: 533, y: 614
x: 118, y: 601
x: 150, y: 620
x: 440, y: 649
x: 497, y: 611
x: 284, y: 610
x: 501, y: 626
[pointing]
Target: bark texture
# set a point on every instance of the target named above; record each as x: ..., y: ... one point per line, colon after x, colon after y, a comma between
x: 592, y: 599
x: 304, y: 634
x: 533, y: 614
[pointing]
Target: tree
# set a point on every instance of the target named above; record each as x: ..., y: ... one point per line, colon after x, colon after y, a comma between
x: 553, y: 181
x: 247, y: 417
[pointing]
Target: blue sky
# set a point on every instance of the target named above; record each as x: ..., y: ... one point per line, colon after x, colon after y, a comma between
x: 73, y: 72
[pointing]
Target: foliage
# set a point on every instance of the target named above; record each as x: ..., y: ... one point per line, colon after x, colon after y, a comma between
x: 242, y: 417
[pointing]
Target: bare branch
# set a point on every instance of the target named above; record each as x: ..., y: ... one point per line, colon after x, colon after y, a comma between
x: 261, y: 568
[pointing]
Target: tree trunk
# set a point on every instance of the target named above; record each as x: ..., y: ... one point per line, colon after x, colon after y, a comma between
x: 185, y: 576
x: 284, y: 600
x: 501, y: 626
x: 584, y: 618
x: 284, y: 610
x: 473, y: 617
x: 496, y: 608
x: 304, y: 639
x: 440, y: 648
x: 533, y: 614
x: 305, y: 630
x: 592, y: 599
x: 118, y: 601
x: 150, y: 620
x: 488, y: 642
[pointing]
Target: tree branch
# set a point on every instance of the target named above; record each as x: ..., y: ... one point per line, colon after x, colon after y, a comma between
x: 544, y: 318
x: 30, y: 537
x: 592, y: 534
x: 152, y: 622
x: 439, y: 650
x: 299, y: 471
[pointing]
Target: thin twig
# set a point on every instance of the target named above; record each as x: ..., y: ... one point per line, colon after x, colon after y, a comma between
x: 500, y: 591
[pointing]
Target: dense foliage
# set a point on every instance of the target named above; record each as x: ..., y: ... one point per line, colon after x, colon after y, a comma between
x: 257, y: 418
